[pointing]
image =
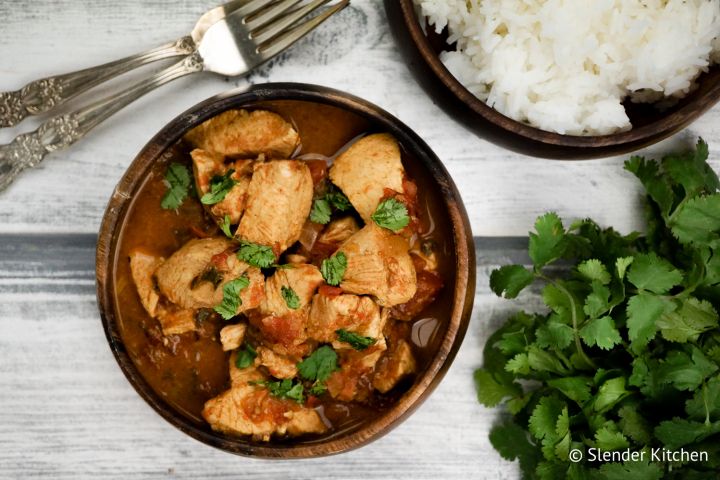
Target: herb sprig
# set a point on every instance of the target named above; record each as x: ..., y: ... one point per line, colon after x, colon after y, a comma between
x: 628, y: 356
x: 177, y: 180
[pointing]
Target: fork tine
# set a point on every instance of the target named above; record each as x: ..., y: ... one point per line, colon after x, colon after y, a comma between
x: 267, y: 32
x: 269, y: 14
x: 285, y: 40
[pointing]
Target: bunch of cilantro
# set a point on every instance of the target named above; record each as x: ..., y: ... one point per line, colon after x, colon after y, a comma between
x: 628, y: 357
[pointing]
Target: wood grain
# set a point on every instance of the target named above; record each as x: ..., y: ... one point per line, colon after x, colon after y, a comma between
x: 503, y: 191
x: 68, y: 412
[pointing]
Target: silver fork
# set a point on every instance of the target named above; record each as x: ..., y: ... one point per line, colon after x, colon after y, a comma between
x: 47, y: 93
x: 231, y: 47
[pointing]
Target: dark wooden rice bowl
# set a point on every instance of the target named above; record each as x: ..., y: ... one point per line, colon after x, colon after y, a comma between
x: 649, y: 124
x: 461, y: 288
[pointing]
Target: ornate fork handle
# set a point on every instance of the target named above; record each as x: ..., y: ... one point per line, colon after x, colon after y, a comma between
x: 44, y: 94
x: 27, y: 150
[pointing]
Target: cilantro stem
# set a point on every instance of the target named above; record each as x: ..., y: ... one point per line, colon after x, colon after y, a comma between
x: 573, y: 316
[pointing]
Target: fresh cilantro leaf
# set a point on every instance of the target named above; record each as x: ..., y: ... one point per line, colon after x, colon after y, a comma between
x: 492, y: 389
x: 545, y: 416
x: 679, y: 432
x: 698, y: 221
x: 705, y: 403
x: 601, y: 332
x: 643, y: 312
x: 391, y: 214
x: 691, y: 171
x: 650, y: 272
x: 225, y: 226
x: 231, y: 297
x: 260, y: 256
x: 549, y: 241
x: 319, y: 365
x: 291, y: 298
x: 519, y: 364
x: 575, y: 388
x: 220, y: 185
x: 657, y: 186
x: 608, y: 440
x: 594, y: 270
x: 358, y: 342
x: 543, y: 361
x: 177, y: 180
x: 685, y: 371
x: 687, y: 322
x: 285, y: 389
x: 512, y: 442
x: 554, y: 335
x: 321, y: 211
x: 633, y: 425
x: 333, y: 268
x: 338, y: 200
x: 245, y: 356
x: 509, y: 280
x: 598, y: 300
x: 610, y: 393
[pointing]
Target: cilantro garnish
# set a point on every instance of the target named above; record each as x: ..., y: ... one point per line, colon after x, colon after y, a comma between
x: 220, y: 185
x: 318, y: 367
x: 391, y: 214
x: 225, y: 226
x: 177, y: 180
x: 260, y: 256
x: 321, y: 211
x: 245, y: 356
x: 628, y: 355
x: 291, y: 298
x: 333, y: 268
x: 231, y: 297
x: 323, y: 206
x: 358, y: 342
x: 285, y: 389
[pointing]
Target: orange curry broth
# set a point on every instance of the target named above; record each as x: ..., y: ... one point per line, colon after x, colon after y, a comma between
x: 187, y: 370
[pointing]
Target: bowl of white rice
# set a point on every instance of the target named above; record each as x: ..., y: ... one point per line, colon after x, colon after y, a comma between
x: 566, y: 78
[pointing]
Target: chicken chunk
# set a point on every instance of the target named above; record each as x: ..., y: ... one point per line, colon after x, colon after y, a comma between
x: 285, y: 334
x: 279, y: 200
x: 232, y: 336
x: 194, y: 276
x: 248, y: 409
x: 366, y: 169
x: 207, y: 165
x: 378, y: 264
x: 397, y: 362
x: 348, y: 312
x: 279, y: 366
x: 243, y: 134
x: 353, y: 381
x: 302, y: 280
x: 142, y: 268
x: 175, y: 320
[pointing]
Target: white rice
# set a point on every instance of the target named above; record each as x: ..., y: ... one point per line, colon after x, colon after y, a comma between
x: 566, y: 65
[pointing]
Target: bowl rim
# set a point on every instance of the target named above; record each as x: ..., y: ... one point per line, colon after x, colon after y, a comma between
x: 636, y: 137
x: 462, y: 300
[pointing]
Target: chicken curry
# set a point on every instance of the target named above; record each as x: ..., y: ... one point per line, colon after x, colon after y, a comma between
x: 278, y: 273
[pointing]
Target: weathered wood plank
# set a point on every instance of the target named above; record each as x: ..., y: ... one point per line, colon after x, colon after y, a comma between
x: 355, y: 52
x: 67, y: 412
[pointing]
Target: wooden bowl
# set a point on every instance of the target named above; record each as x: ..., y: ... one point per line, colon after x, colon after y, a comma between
x: 459, y: 294
x: 649, y: 125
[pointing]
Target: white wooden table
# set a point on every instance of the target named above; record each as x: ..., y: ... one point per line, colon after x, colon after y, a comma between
x: 66, y: 411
